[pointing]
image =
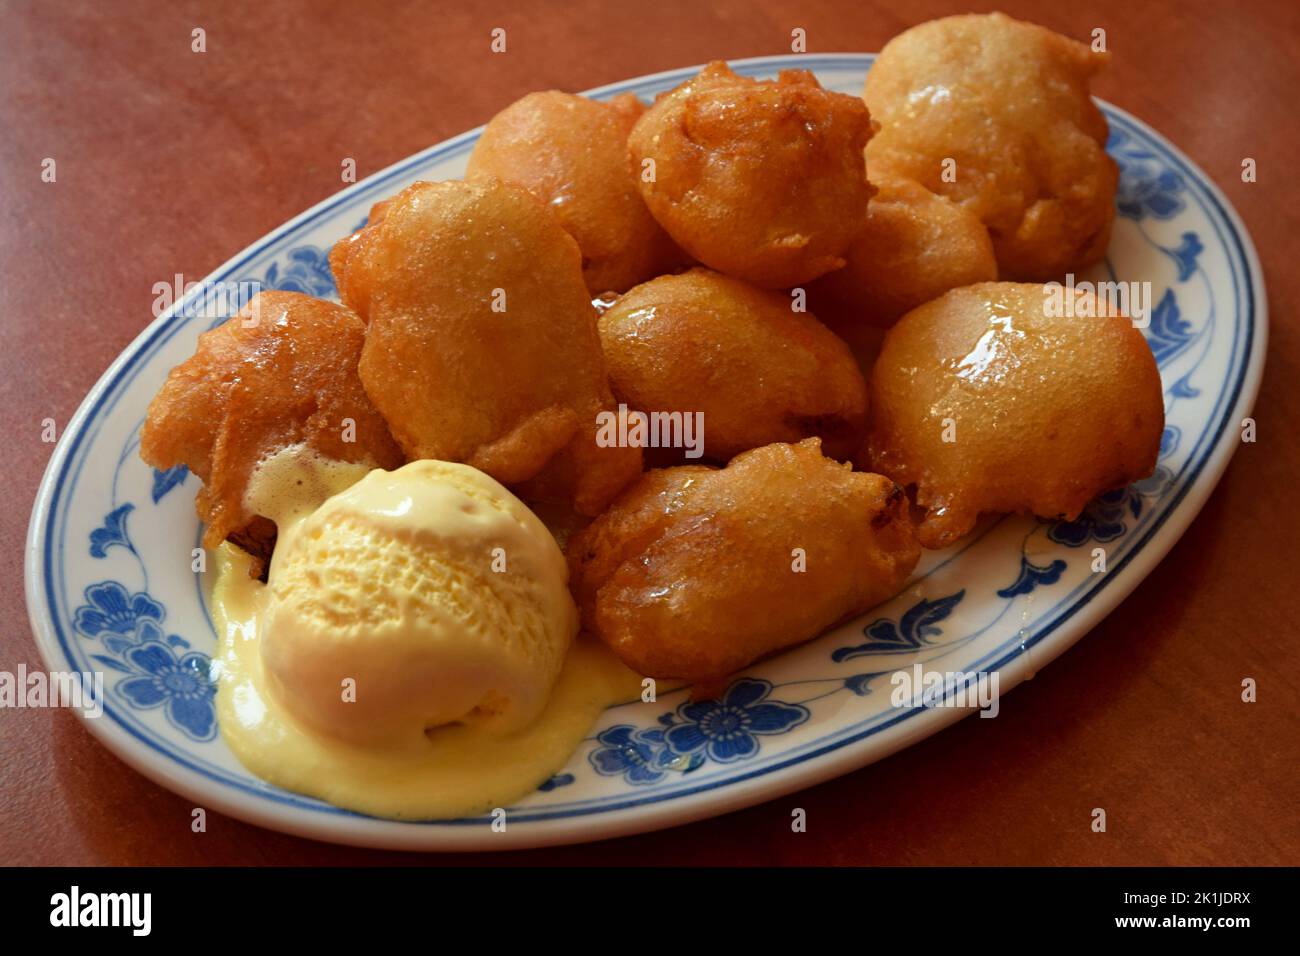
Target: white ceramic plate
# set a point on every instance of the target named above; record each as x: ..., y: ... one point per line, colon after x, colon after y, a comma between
x: 110, y: 589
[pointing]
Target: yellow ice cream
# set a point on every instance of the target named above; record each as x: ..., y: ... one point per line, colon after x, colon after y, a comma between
x: 420, y: 597
x: 412, y: 654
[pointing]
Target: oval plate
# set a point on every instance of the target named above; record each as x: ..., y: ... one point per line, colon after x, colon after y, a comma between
x: 110, y: 587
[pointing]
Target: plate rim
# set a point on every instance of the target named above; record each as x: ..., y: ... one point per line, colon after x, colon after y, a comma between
x: 721, y: 796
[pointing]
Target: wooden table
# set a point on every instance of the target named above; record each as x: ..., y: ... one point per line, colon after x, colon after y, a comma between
x: 171, y: 161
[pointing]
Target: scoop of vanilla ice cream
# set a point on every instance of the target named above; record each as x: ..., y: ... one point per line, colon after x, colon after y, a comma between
x: 433, y: 590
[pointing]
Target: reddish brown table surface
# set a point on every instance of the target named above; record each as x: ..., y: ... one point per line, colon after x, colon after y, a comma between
x: 170, y: 162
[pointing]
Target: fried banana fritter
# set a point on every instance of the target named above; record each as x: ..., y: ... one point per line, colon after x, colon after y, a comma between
x: 571, y: 153
x: 915, y: 246
x: 481, y: 344
x: 758, y: 371
x: 996, y: 115
x: 694, y: 572
x: 763, y: 180
x: 988, y: 402
x: 282, y: 372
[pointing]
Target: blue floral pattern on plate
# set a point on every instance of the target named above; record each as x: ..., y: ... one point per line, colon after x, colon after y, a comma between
x: 913, y: 630
x: 1147, y: 186
x: 111, y: 609
x: 639, y: 755
x: 149, y: 674
x: 306, y: 270
x: 728, y: 729
x: 723, y: 730
x: 165, y: 479
x: 182, y: 684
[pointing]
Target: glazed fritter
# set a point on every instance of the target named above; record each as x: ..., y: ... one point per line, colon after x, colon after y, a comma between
x: 986, y: 401
x: 916, y: 245
x: 282, y: 372
x: 757, y: 370
x: 695, y: 572
x: 481, y: 344
x: 760, y: 179
x: 996, y: 115
x: 571, y: 153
